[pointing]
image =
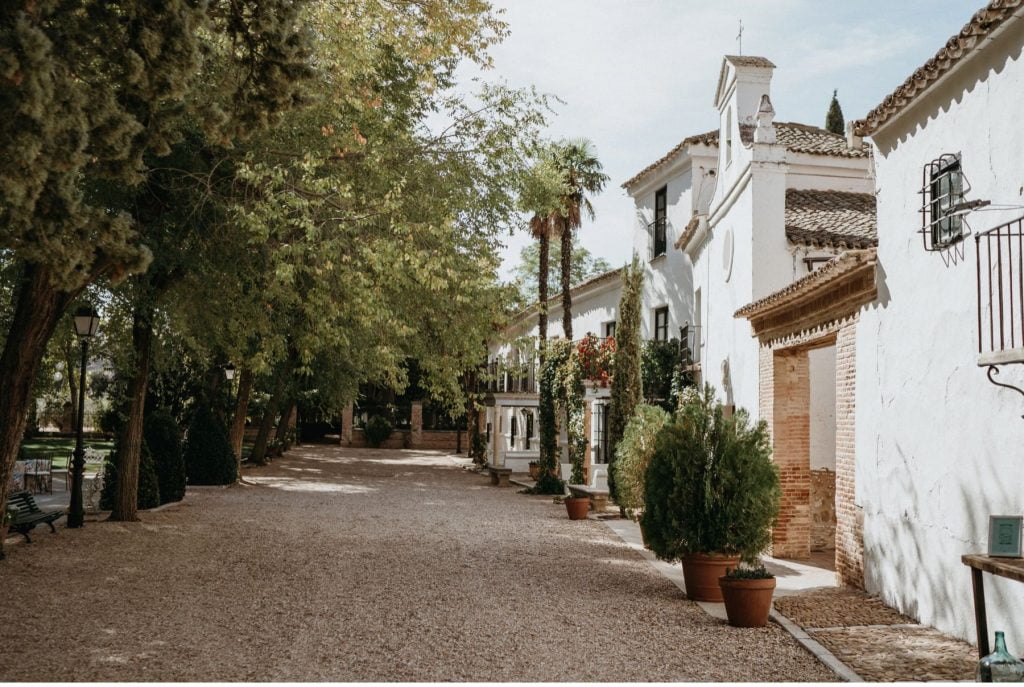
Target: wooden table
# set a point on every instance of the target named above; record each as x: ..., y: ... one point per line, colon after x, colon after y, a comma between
x: 1010, y: 568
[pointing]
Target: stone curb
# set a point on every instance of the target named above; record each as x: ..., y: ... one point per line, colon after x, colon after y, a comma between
x: 826, y: 657
x: 820, y: 652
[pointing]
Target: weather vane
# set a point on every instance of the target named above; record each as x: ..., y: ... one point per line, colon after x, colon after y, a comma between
x: 739, y: 38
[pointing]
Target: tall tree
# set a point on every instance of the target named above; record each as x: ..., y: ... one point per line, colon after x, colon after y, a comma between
x: 79, y: 107
x: 577, y: 163
x: 525, y: 274
x: 834, y: 119
x: 627, y: 388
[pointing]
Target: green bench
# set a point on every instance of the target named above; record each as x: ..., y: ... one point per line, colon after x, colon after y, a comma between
x: 25, y: 514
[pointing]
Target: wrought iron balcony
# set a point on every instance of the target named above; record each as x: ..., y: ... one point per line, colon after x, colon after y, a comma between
x: 658, y: 232
x: 509, y: 377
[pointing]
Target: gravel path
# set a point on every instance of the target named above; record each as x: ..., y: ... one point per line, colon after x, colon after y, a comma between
x: 346, y: 564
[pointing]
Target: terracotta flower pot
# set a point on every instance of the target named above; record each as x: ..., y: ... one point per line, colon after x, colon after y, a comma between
x: 701, y: 573
x: 577, y: 508
x: 747, y: 602
x: 534, y: 472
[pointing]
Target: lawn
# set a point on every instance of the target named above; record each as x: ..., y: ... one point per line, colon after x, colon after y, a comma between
x: 61, y: 447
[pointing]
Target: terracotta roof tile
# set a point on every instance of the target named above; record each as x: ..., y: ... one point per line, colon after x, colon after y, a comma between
x: 688, y: 232
x: 799, y: 138
x: 834, y: 268
x: 708, y: 138
x: 983, y: 23
x: 831, y: 219
x: 574, y: 291
x: 749, y: 61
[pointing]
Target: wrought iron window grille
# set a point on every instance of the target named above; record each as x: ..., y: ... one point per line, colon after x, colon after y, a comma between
x: 943, y: 210
x: 689, y: 343
x: 658, y: 228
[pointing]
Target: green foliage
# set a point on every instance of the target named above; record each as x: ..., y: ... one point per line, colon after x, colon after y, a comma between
x: 208, y: 455
x: 834, y: 119
x: 524, y: 275
x: 627, y: 389
x: 661, y: 373
x: 711, y: 486
x: 633, y: 455
x: 164, y: 441
x: 378, y: 429
x: 753, y: 573
x: 149, y: 486
x: 550, y: 481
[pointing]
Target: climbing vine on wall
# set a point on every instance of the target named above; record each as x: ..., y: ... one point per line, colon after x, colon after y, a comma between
x: 561, y: 396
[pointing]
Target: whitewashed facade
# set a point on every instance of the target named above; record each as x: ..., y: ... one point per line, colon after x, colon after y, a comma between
x: 938, y: 447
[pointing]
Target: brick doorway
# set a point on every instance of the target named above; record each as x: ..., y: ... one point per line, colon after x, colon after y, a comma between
x: 809, y: 402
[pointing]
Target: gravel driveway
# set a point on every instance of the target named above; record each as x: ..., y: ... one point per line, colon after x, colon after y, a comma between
x: 348, y: 564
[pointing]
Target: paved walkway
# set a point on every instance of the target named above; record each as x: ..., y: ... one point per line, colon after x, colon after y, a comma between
x: 347, y: 564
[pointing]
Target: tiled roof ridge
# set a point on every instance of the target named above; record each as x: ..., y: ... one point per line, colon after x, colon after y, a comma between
x: 837, y: 147
x: 834, y: 268
x: 556, y: 298
x: 981, y: 25
x: 750, y: 61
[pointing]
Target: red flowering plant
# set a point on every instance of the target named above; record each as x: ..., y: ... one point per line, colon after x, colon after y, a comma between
x: 595, y: 356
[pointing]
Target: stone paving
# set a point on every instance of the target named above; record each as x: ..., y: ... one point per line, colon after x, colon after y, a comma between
x: 875, y: 641
x: 351, y: 565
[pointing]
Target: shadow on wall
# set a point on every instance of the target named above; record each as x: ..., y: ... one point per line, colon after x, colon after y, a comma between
x: 932, y: 105
x: 915, y: 566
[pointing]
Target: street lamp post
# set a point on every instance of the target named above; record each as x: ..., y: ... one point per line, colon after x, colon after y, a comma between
x: 229, y: 374
x: 87, y: 321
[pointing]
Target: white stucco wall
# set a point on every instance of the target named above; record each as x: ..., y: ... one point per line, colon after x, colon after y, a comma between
x: 822, y: 363
x: 668, y: 279
x: 938, y: 446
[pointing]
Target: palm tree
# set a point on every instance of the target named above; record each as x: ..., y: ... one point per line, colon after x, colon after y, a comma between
x: 581, y: 172
x: 540, y: 228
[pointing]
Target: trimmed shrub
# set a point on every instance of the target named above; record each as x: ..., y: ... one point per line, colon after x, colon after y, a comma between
x: 208, y: 455
x: 633, y: 455
x: 378, y: 429
x: 711, y: 486
x: 149, y: 487
x: 164, y: 441
x: 627, y: 388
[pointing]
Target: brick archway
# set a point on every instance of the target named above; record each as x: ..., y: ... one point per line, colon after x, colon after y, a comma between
x: 818, y: 311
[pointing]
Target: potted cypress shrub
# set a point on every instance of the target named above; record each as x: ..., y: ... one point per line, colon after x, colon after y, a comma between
x: 711, y: 492
x: 633, y: 455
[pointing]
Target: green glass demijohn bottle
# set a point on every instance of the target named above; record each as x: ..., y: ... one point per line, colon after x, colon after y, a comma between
x: 1000, y: 665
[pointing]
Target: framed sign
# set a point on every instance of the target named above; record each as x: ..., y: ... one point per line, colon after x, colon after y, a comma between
x: 1004, y: 535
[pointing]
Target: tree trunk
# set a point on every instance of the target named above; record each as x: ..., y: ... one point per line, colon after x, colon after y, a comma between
x: 542, y: 294
x: 567, y: 280
x: 129, y: 447
x: 286, y: 419
x: 241, y: 410
x: 37, y: 307
x: 259, y: 449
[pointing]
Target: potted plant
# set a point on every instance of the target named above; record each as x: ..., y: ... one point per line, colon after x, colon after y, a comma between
x: 596, y: 357
x: 711, y: 492
x: 633, y: 455
x: 747, y: 592
x: 534, y: 470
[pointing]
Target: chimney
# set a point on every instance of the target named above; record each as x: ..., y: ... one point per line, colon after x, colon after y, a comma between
x: 853, y: 141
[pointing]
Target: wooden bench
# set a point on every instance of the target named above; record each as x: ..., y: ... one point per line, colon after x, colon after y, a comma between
x: 25, y: 514
x: 499, y: 475
x: 596, y: 491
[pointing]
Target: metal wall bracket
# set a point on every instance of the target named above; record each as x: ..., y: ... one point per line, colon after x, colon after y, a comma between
x: 993, y: 370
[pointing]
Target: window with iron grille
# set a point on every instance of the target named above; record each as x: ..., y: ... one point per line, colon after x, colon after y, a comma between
x: 943, y: 189
x: 609, y: 329
x: 661, y: 323
x: 659, y: 242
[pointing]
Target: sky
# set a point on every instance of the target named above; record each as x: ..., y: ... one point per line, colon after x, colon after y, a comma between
x: 638, y: 76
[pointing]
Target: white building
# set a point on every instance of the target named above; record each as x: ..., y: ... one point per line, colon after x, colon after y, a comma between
x: 926, y: 448
x: 938, y: 448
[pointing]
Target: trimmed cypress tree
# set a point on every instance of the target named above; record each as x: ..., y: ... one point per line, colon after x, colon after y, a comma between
x: 164, y: 441
x: 627, y: 388
x: 834, y: 119
x: 208, y: 455
x: 149, y: 487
